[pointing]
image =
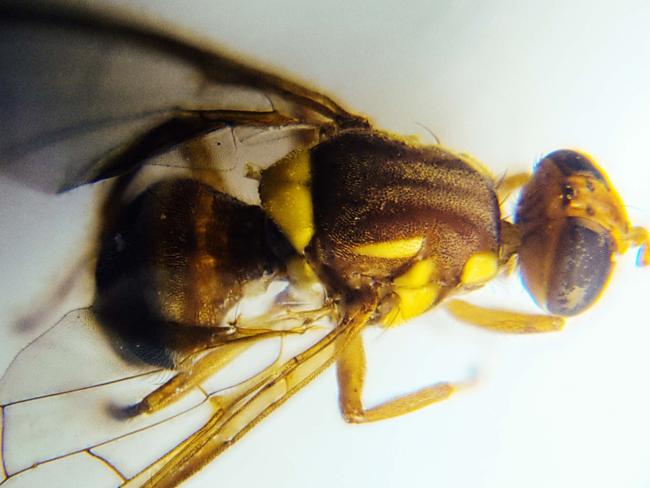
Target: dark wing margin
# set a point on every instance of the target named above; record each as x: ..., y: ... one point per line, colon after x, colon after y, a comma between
x: 88, y: 94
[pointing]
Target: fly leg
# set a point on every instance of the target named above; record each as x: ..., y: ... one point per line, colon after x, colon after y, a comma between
x: 240, y: 412
x: 351, y: 374
x: 192, y: 372
x: 503, y: 320
x: 192, y: 376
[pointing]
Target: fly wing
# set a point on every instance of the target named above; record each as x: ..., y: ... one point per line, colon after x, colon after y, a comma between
x: 62, y: 395
x: 57, y: 396
x: 244, y: 409
x: 63, y: 401
x: 86, y: 95
x: 80, y: 93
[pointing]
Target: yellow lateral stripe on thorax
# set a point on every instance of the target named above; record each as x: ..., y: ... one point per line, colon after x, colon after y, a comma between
x: 399, y: 248
x: 285, y: 191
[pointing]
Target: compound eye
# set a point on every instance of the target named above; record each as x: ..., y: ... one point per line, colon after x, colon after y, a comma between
x: 570, y: 162
x: 582, y: 266
x: 572, y: 223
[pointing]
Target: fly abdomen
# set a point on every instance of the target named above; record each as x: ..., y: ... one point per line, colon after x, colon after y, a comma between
x: 176, y: 261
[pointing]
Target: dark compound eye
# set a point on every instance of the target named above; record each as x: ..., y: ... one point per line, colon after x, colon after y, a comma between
x: 582, y: 268
x: 571, y: 162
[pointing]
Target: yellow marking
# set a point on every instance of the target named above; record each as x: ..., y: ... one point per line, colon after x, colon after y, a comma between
x: 291, y: 208
x: 285, y: 192
x: 408, y: 139
x: 415, y: 291
x: 400, y: 248
x: 418, y: 275
x: 295, y: 167
x: 479, y: 268
x: 412, y: 302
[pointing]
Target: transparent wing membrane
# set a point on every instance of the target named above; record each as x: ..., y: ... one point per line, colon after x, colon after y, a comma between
x: 77, y: 335
x: 72, y: 412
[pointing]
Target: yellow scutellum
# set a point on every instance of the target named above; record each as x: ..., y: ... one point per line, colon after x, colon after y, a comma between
x: 285, y: 191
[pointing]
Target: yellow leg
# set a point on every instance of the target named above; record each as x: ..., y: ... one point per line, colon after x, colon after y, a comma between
x: 502, y: 320
x: 194, y: 372
x: 351, y: 374
x: 184, y: 381
x: 238, y: 413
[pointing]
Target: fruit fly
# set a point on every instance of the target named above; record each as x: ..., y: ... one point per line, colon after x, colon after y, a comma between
x: 365, y: 228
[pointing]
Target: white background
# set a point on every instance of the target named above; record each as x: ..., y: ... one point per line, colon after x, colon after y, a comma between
x: 505, y: 82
